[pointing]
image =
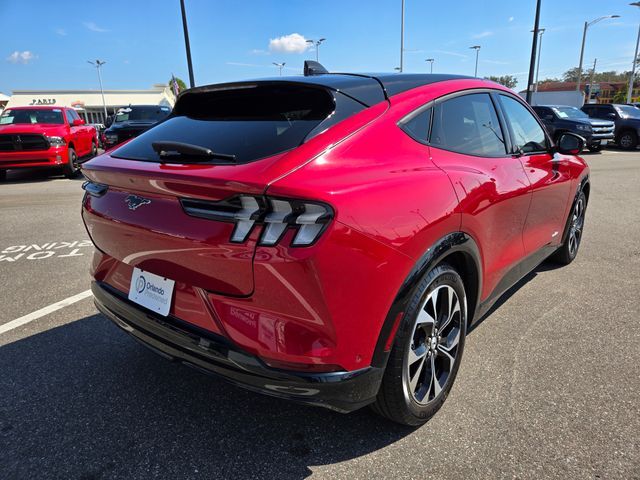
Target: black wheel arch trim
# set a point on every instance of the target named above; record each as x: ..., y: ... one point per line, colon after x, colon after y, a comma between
x: 447, y: 245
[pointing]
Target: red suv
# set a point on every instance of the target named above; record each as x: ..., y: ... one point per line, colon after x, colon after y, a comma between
x: 330, y: 238
x: 44, y: 137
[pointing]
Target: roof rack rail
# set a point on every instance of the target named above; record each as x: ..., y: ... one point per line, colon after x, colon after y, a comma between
x: 313, y: 68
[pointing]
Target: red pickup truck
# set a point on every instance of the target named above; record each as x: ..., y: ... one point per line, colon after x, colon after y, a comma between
x: 44, y: 137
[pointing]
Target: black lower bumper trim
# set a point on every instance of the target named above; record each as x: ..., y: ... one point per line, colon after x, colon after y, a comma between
x: 207, y: 352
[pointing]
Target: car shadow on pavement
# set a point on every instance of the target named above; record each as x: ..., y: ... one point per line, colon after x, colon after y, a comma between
x: 84, y: 400
x: 35, y: 175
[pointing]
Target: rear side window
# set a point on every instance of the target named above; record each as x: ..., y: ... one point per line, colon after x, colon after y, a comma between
x: 528, y: 135
x: 417, y: 126
x: 249, y: 122
x: 468, y: 124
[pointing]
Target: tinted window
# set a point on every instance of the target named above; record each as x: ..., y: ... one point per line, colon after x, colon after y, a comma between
x: 417, y: 127
x: 627, y: 111
x: 528, y: 135
x: 570, y: 112
x: 468, y: 124
x: 249, y: 122
x: 31, y: 115
x: 148, y: 113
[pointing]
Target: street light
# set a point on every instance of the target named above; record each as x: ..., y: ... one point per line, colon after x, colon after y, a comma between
x: 635, y: 56
x: 540, y: 32
x: 584, y: 36
x: 316, y: 43
x: 477, y: 49
x: 187, y: 46
x: 99, y: 64
x: 280, y: 66
x: 402, y: 38
x: 431, y: 60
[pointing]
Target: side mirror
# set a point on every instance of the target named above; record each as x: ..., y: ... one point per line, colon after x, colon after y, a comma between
x: 611, y: 115
x: 77, y: 122
x: 570, y: 144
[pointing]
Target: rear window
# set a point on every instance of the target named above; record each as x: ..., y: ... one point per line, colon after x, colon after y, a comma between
x: 249, y: 122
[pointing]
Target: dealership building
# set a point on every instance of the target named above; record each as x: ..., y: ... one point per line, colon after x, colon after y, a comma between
x: 89, y: 104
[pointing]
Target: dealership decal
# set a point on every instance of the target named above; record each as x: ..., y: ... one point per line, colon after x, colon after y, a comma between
x: 35, y: 251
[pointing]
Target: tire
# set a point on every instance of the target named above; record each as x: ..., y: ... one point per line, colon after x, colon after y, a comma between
x: 3, y: 175
x: 71, y: 169
x: 628, y: 140
x: 595, y: 148
x: 410, y: 394
x: 575, y: 225
x: 94, y: 150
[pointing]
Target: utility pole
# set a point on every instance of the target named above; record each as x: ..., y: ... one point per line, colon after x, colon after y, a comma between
x: 540, y: 31
x: 280, y: 66
x: 584, y: 37
x: 402, y: 39
x: 99, y: 64
x: 430, y: 60
x: 477, y: 49
x: 534, y: 49
x: 192, y: 82
x: 593, y: 72
x: 635, y: 58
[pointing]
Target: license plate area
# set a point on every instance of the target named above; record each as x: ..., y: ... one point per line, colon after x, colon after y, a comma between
x: 151, y: 291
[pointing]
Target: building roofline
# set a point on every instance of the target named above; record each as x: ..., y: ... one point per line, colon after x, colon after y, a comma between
x: 22, y: 92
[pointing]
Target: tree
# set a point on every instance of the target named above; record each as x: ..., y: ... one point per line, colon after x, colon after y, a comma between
x: 620, y: 97
x: 508, y: 81
x: 181, y: 85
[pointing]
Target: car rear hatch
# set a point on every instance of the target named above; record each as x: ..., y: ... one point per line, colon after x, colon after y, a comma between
x: 171, y: 201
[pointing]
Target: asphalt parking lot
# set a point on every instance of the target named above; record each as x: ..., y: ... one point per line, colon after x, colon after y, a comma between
x: 549, y: 385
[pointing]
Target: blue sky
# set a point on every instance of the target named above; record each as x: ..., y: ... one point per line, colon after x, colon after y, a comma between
x: 46, y: 44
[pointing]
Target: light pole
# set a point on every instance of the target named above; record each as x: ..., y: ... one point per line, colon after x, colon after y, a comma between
x: 430, y: 60
x: 635, y: 57
x: 477, y: 49
x: 316, y: 43
x: 402, y: 38
x: 187, y: 46
x: 99, y: 64
x: 584, y: 37
x: 280, y: 66
x: 540, y: 32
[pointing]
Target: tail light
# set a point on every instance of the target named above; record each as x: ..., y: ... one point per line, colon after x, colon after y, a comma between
x: 274, y: 215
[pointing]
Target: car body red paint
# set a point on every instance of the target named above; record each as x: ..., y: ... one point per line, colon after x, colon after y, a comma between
x: 394, y: 199
x: 82, y: 138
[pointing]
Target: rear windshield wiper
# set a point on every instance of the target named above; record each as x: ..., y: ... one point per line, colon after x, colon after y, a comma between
x: 177, y: 151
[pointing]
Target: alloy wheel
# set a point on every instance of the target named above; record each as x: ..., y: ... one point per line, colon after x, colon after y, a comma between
x: 434, y: 342
x: 577, y: 222
x: 626, y: 141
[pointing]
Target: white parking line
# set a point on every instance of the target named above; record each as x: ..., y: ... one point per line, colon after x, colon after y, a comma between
x: 18, y: 322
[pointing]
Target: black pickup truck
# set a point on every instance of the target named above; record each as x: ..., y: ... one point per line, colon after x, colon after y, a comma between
x: 131, y: 121
x: 625, y: 117
x: 562, y: 118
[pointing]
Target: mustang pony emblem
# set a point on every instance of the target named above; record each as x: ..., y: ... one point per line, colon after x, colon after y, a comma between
x: 134, y: 201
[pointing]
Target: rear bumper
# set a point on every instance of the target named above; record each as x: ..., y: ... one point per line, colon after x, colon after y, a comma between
x: 54, y: 156
x: 207, y: 352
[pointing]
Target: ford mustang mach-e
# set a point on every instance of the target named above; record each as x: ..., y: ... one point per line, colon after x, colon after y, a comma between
x: 330, y: 238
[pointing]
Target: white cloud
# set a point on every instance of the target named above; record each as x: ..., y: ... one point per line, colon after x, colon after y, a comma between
x: 484, y: 34
x: 259, y: 51
x: 61, y: 31
x: 453, y: 54
x: 94, y: 28
x: 242, y: 64
x: 511, y: 19
x: 293, y: 43
x: 21, y: 57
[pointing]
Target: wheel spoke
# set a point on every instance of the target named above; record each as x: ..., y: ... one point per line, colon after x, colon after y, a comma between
x: 454, y: 307
x: 417, y: 354
x: 437, y: 388
x: 451, y: 340
x: 451, y: 359
x: 413, y: 382
x: 424, y: 318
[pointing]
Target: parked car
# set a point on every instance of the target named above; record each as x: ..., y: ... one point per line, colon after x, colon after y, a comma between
x: 558, y: 119
x: 100, y: 128
x: 625, y: 117
x: 131, y: 121
x: 330, y: 238
x: 44, y: 137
